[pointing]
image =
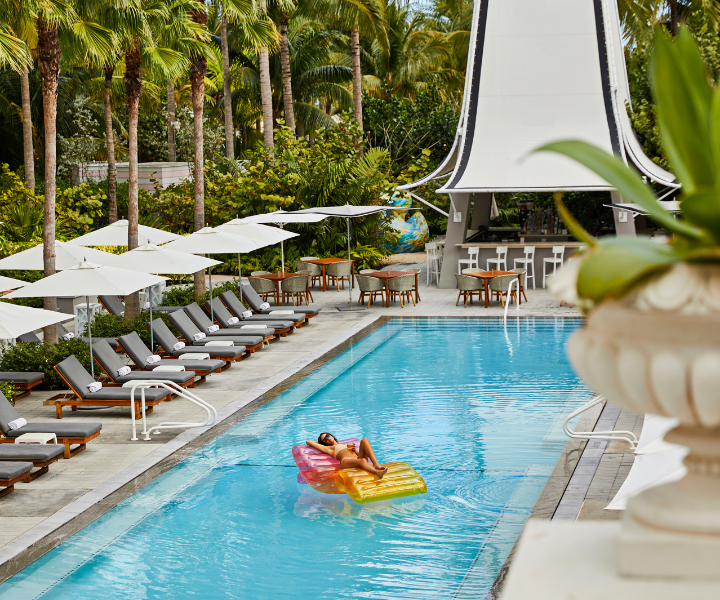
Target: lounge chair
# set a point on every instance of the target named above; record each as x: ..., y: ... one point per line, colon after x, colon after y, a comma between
x: 251, y: 297
x: 111, y: 363
x: 165, y: 338
x: 233, y: 304
x: 136, y: 349
x: 202, y: 320
x: 24, y: 381
x: 40, y: 455
x: 115, y: 306
x: 11, y: 473
x: 188, y: 329
x: 68, y: 434
x: 62, y: 332
x: 78, y: 379
x: 223, y: 315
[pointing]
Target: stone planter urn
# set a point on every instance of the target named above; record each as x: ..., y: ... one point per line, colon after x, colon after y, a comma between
x: 657, y: 350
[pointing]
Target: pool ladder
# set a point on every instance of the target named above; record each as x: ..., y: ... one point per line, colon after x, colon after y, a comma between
x: 174, y: 389
x: 627, y: 436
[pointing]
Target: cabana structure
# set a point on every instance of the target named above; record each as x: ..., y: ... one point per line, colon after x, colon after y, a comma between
x: 537, y: 72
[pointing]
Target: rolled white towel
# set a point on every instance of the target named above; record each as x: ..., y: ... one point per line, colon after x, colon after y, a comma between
x: 152, y: 359
x: 264, y: 306
x: 68, y: 336
x: 199, y: 336
x: 178, y: 346
x: 232, y: 321
x: 94, y: 386
x: 246, y: 315
x: 213, y: 328
x: 17, y: 424
x: 122, y: 371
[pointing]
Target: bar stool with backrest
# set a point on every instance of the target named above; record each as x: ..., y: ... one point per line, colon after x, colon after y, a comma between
x: 402, y: 286
x: 295, y: 288
x: 557, y: 259
x: 528, y: 262
x: 468, y: 287
x: 471, y: 262
x: 500, y: 260
x: 371, y: 286
x: 339, y: 272
x: 433, y: 262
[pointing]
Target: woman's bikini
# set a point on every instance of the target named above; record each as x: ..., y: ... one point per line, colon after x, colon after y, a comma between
x: 337, y: 449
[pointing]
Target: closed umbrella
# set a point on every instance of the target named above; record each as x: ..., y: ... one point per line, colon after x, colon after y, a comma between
x: 150, y: 258
x: 66, y: 256
x: 116, y: 234
x: 213, y: 241
x: 88, y: 279
x: 16, y: 320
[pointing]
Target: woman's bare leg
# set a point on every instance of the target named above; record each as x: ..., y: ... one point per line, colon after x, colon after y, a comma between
x: 362, y: 463
x: 366, y: 451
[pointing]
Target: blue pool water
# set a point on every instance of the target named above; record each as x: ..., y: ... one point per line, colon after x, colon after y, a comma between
x: 476, y: 408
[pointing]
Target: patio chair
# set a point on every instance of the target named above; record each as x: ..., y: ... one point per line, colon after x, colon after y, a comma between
x: 523, y: 281
x: 402, y: 286
x: 12, y: 473
x: 365, y: 271
x: 223, y: 317
x: 308, y: 258
x: 372, y: 286
x: 111, y: 364
x: 187, y: 328
x: 468, y: 287
x: 256, y: 305
x: 167, y: 341
x: 68, y: 434
x: 138, y: 352
x: 260, y: 273
x: 295, y: 288
x: 499, y: 286
x: 313, y: 270
x: 202, y: 320
x: 24, y: 381
x: 415, y: 287
x: 338, y: 273
x: 264, y: 287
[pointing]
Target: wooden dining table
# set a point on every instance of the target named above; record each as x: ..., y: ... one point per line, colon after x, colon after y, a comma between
x: 487, y: 276
x: 388, y: 275
x: 324, y: 262
x: 278, y: 279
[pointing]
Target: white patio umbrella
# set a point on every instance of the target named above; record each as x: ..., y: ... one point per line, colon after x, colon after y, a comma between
x: 116, y: 234
x: 88, y: 279
x: 213, y: 241
x: 66, y: 256
x: 348, y: 212
x: 150, y: 258
x: 261, y: 234
x: 282, y: 218
x: 8, y: 283
x: 16, y: 320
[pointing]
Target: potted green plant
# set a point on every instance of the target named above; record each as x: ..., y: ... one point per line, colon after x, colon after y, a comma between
x: 651, y: 342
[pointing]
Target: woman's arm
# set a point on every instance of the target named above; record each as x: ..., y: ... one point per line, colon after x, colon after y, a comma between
x: 323, y: 449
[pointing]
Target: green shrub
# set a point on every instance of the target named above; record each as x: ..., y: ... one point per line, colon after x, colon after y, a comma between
x: 108, y: 325
x: 8, y: 390
x: 184, y: 295
x: 39, y: 356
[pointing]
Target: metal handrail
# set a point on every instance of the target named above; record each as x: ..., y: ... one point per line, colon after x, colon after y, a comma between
x: 517, y: 301
x: 597, y: 435
x: 175, y: 389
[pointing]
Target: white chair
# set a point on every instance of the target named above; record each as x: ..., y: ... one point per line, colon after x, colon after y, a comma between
x: 500, y: 261
x: 557, y: 259
x: 433, y: 262
x: 471, y: 262
x: 528, y: 263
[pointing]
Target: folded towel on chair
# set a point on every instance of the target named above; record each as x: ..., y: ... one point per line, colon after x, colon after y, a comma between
x: 264, y: 306
x: 246, y: 315
x: 233, y: 320
x: 17, y: 424
x: 178, y: 345
x: 198, y: 336
x: 213, y: 328
x: 94, y: 386
x: 122, y: 371
x: 195, y: 356
x: 152, y: 359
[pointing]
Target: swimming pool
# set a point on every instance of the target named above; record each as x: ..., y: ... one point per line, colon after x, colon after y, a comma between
x: 476, y: 408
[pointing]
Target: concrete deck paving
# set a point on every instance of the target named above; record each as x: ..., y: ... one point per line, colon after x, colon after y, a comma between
x: 40, y: 514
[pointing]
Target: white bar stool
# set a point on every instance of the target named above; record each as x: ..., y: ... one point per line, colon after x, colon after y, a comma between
x: 433, y: 262
x: 528, y: 263
x: 557, y: 259
x: 471, y: 262
x: 500, y: 261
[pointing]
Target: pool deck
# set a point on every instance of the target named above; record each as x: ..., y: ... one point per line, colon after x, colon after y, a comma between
x: 39, y: 515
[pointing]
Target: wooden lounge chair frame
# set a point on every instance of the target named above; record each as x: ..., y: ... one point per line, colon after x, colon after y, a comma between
x: 25, y: 387
x: 80, y: 442
x: 249, y: 349
x: 9, y: 484
x: 110, y: 382
x: 279, y: 331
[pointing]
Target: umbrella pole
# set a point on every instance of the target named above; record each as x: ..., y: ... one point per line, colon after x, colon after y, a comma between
x: 152, y: 337
x: 240, y: 276
x: 212, y: 318
x: 282, y: 256
x: 89, y: 314
x: 350, y: 306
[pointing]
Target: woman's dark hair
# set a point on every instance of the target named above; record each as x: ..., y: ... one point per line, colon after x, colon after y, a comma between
x: 323, y: 436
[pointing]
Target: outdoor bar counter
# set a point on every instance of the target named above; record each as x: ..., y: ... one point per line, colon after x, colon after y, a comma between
x: 516, y: 250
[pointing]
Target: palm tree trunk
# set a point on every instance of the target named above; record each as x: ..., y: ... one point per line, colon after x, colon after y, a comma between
x: 48, y: 49
x: 674, y: 17
x: 227, y: 91
x: 28, y: 149
x: 266, y: 95
x: 357, y: 76
x: 286, y: 78
x: 197, y: 83
x: 110, y: 142
x: 133, y: 88
x: 171, y: 120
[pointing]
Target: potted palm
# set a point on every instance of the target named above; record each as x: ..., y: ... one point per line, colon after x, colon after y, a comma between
x: 651, y: 342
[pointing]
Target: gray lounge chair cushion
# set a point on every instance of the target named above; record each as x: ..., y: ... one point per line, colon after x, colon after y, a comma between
x: 28, y: 337
x: 111, y: 363
x: 30, y: 452
x: 138, y: 352
x: 253, y: 299
x: 11, y: 469
x: 203, y: 322
x: 79, y: 378
x: 175, y: 377
x: 113, y: 304
x: 167, y: 340
x: 21, y: 376
x: 8, y: 413
x: 187, y: 328
x: 107, y: 357
x: 223, y: 314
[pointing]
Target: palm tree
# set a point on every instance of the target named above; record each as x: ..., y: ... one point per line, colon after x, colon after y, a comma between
x: 286, y: 73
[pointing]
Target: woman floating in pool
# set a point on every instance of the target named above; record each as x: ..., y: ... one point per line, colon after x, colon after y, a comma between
x: 349, y: 457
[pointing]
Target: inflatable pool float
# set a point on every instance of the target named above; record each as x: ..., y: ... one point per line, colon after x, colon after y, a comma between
x: 323, y: 473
